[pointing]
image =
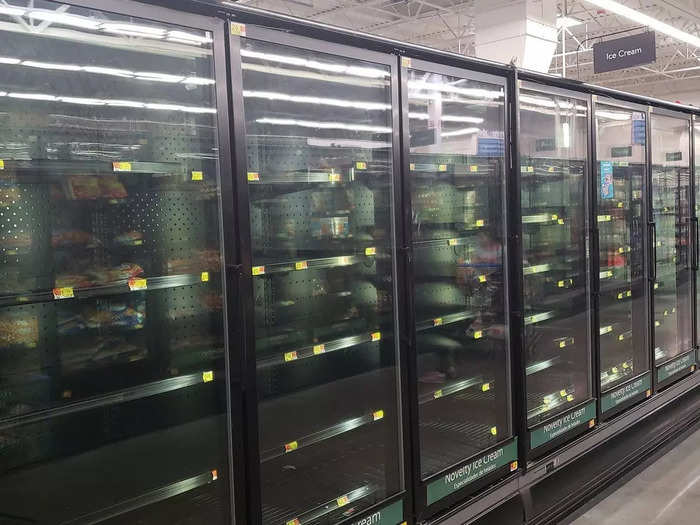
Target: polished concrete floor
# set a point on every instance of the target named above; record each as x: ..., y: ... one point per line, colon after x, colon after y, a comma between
x: 665, y: 493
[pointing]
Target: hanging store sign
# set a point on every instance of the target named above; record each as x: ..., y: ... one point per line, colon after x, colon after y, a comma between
x: 621, y: 53
x: 470, y: 472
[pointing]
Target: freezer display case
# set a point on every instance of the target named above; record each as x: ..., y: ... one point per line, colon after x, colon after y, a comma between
x: 696, y: 233
x: 454, y: 122
x: 621, y: 157
x: 112, y: 373
x: 671, y: 247
x: 553, y: 148
x: 318, y: 133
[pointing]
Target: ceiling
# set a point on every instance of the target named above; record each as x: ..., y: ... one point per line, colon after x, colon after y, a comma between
x: 449, y: 25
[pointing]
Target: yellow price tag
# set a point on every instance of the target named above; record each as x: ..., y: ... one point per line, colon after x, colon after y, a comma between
x: 405, y: 62
x: 474, y: 168
x: 371, y: 251
x: 319, y: 349
x: 656, y: 286
x: 562, y: 344
x: 379, y: 414
x: 621, y: 337
x: 555, y: 216
x: 290, y: 356
x: 615, y: 370
x: 334, y: 177
x: 560, y: 221
x: 442, y: 167
x: 478, y: 334
x: 513, y: 466
x: 137, y: 284
x: 437, y: 321
x: 204, y: 277
x: 253, y: 176
x: 214, y: 475
x: 657, y: 323
x: 625, y: 366
x: 604, y: 218
x: 2, y: 164
x: 342, y: 501
x: 197, y: 175
x: 292, y: 445
x: 63, y: 293
x: 121, y: 166
x: 411, y: 166
x: 485, y: 387
x: 237, y: 29
x: 207, y: 376
x: 361, y: 165
x: 437, y: 394
x: 480, y: 222
x: 530, y: 169
x: 482, y: 278
x: 562, y: 393
x: 295, y: 521
x: 620, y: 295
x: 494, y: 431
x: 570, y: 397
x: 620, y: 204
x: 591, y: 423
x: 301, y: 265
x: 376, y: 336
x: 550, y: 169
x: 258, y: 270
x: 452, y: 242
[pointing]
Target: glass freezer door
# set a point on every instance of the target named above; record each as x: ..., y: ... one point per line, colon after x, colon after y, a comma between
x: 670, y: 265
x: 319, y: 151
x: 112, y: 332
x: 553, y: 145
x: 456, y: 181
x: 621, y: 155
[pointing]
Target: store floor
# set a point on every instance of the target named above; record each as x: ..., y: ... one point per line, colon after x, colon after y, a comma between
x: 665, y: 493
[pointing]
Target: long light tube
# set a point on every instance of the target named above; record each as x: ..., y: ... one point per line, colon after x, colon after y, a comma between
x: 322, y: 125
x: 337, y: 102
x: 641, y: 18
x: 448, y: 118
x: 64, y: 19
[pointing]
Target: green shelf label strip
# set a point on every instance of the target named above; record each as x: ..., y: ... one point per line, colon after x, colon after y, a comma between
x: 389, y: 515
x: 472, y: 471
x: 564, y: 423
x: 676, y: 366
x: 626, y: 392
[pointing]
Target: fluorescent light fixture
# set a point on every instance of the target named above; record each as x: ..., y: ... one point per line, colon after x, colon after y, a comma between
x: 337, y: 102
x: 612, y: 115
x: 646, y: 20
x: 566, y: 134
x: 12, y: 10
x: 108, y: 71
x: 159, y: 77
x: 568, y: 21
x: 536, y: 101
x: 49, y: 65
x: 32, y: 96
x: 448, y: 118
x: 347, y: 143
x: 189, y: 37
x: 64, y: 19
x: 458, y: 132
x: 366, y: 72
x: 3, y: 93
x: 8, y: 60
x: 322, y: 125
x: 199, y: 81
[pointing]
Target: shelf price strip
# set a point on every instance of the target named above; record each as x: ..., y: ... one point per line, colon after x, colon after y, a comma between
x: 136, y: 284
x: 65, y: 292
x: 321, y: 348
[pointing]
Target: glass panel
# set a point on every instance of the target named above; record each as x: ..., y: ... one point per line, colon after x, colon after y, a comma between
x: 319, y: 131
x: 621, y: 153
x: 696, y: 139
x: 670, y: 177
x: 456, y: 174
x: 111, y: 324
x: 553, y: 155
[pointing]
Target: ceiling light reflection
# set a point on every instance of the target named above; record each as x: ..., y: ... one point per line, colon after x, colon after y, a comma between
x: 313, y: 64
x: 356, y: 104
x: 46, y: 65
x: 449, y: 88
x: 322, y: 125
x: 64, y: 19
x: 32, y: 96
x: 448, y: 118
x: 12, y: 10
x: 7, y: 60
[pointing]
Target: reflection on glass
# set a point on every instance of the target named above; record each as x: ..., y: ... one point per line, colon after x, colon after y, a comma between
x: 456, y: 129
x: 671, y: 213
x: 621, y: 154
x: 319, y: 176
x: 111, y: 325
x: 553, y: 151
x: 696, y: 138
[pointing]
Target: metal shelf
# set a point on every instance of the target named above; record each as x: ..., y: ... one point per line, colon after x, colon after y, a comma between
x: 444, y: 320
x: 314, y: 264
x: 83, y: 167
x: 107, y: 289
x: 454, y: 388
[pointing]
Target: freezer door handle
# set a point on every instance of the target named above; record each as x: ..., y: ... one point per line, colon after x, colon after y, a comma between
x: 696, y: 244
x: 652, y: 237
